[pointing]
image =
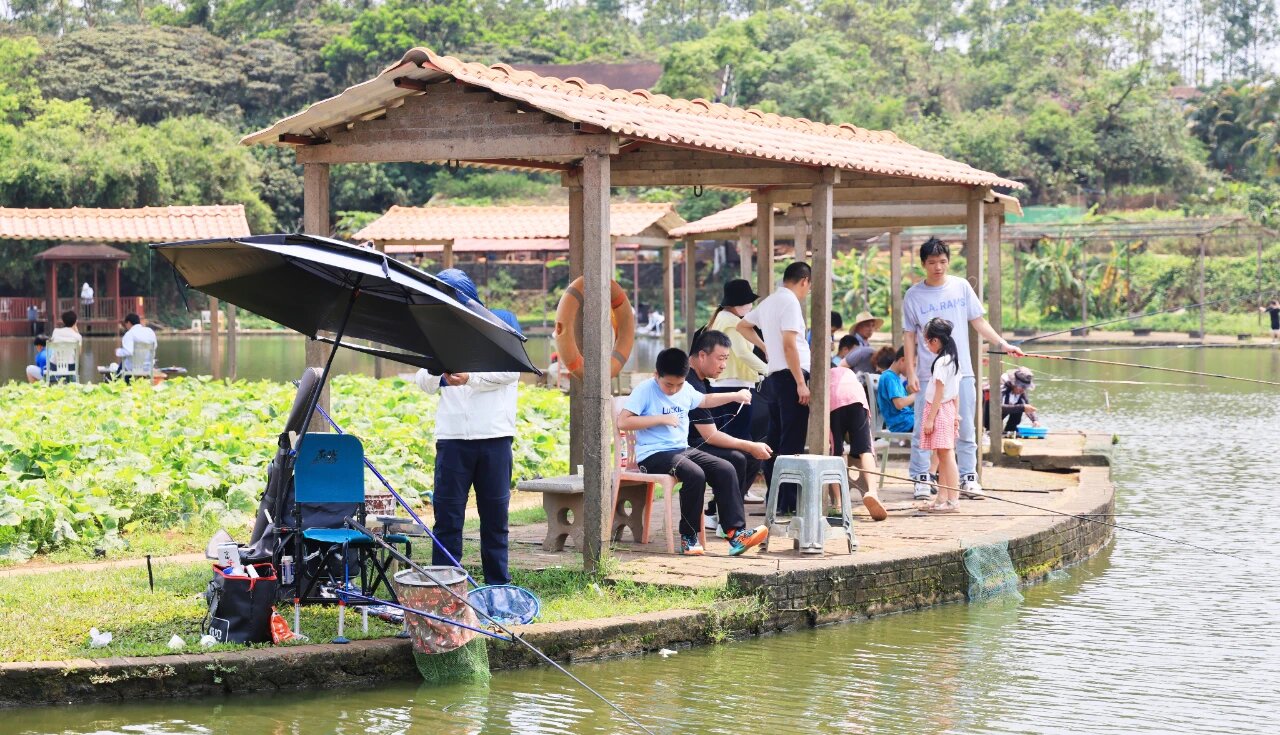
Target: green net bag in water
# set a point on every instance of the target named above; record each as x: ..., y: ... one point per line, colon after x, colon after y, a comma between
x: 991, y: 572
x: 469, y: 664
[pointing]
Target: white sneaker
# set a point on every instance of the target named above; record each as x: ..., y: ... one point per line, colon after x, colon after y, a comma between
x: 971, y: 488
x: 720, y: 532
x: 923, y: 490
x: 710, y: 522
x: 753, y: 497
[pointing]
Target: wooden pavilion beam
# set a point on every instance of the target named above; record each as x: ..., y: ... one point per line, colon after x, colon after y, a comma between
x: 574, y: 182
x: 849, y: 193
x: 895, y: 286
x: 973, y: 269
x: 689, y: 294
x: 668, y: 297
x: 995, y: 316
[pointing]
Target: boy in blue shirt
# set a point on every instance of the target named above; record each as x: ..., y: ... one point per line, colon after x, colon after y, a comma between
x: 658, y: 412
x: 35, y: 373
x: 893, y: 400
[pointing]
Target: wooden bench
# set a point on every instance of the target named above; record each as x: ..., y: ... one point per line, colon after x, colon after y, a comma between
x: 562, y: 500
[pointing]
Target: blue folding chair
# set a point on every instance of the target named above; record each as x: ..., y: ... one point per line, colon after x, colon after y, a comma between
x: 328, y: 477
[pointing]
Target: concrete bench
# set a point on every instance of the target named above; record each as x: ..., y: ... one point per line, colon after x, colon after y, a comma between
x: 562, y: 500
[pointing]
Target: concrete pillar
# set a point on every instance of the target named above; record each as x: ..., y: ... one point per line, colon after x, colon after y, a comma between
x: 215, y: 339
x: 597, y: 333
x: 232, y: 335
x: 668, y: 296
x: 315, y: 221
x: 820, y: 315
x: 764, y: 245
x: 574, y: 182
x: 744, y: 252
x: 446, y: 255
x: 895, y: 286
x: 973, y: 269
x: 690, y: 294
x: 800, y: 227
x: 995, y: 315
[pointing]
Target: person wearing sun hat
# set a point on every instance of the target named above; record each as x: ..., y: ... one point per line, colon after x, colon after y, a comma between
x: 1014, y: 403
x: 865, y: 325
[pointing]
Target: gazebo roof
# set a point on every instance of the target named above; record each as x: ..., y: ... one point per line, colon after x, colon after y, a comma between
x: 145, y: 224
x: 742, y: 213
x: 71, y: 251
x: 473, y: 227
x: 636, y: 116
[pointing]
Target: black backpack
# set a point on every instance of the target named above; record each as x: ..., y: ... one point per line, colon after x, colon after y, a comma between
x: 240, y: 606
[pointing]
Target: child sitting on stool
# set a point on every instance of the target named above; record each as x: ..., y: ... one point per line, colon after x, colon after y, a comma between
x: 658, y: 412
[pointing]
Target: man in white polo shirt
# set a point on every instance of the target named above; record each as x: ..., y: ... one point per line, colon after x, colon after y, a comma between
x: 780, y: 318
x: 953, y: 299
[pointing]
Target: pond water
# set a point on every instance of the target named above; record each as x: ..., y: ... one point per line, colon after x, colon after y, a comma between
x: 259, y: 356
x: 1148, y: 637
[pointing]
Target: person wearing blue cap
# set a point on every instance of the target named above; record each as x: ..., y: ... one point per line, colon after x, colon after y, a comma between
x: 475, y: 424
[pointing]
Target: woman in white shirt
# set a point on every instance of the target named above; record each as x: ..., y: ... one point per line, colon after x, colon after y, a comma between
x: 941, y: 421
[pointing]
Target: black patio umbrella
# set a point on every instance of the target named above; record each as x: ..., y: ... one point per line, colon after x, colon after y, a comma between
x: 315, y: 284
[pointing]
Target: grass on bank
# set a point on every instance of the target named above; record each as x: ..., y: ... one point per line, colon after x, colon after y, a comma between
x: 47, y: 616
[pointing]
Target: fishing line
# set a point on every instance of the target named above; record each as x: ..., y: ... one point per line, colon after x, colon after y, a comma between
x: 1140, y: 367
x: 491, y: 621
x: 1084, y: 517
x: 1132, y: 318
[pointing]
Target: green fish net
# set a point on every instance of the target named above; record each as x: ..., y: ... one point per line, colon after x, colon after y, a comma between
x: 468, y: 664
x: 991, y: 572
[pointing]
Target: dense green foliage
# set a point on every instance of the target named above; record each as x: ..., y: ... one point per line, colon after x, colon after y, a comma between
x: 132, y: 103
x: 93, y: 462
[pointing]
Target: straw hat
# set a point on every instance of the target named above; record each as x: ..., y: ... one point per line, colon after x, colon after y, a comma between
x: 865, y: 316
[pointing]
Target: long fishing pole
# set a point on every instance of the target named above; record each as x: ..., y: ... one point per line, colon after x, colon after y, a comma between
x: 1055, y: 512
x: 1140, y: 367
x: 490, y: 620
x: 1132, y: 348
x: 1131, y: 318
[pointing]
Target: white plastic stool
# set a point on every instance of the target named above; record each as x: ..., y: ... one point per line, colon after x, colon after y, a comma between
x: 812, y: 472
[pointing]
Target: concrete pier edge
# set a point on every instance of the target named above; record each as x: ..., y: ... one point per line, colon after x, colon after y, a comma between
x: 799, y: 595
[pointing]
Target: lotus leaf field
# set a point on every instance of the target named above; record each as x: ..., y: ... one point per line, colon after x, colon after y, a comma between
x: 92, y: 463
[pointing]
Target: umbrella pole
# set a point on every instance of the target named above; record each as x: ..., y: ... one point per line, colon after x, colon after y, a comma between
x: 328, y: 365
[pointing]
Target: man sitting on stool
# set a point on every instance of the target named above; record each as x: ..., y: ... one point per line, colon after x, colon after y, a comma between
x: 710, y: 355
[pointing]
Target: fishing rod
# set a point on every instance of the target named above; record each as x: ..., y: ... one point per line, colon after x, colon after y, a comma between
x: 1140, y: 367
x: 1128, y: 348
x: 397, y: 555
x: 1132, y: 318
x: 1054, y: 512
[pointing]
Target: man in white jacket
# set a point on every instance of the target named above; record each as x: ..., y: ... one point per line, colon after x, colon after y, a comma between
x: 475, y: 425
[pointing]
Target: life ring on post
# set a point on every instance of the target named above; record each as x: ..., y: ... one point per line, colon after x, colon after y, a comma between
x: 569, y: 312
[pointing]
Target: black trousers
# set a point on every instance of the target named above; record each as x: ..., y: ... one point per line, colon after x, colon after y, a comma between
x: 695, y: 468
x: 745, y: 466
x: 1012, y: 417
x: 850, y: 425
x: 788, y: 425
x: 486, y: 464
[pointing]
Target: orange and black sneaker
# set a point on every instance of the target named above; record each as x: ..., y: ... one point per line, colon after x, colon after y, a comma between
x: 689, y: 546
x: 741, y: 539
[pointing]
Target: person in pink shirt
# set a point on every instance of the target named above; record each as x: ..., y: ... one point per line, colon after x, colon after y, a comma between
x: 849, y: 421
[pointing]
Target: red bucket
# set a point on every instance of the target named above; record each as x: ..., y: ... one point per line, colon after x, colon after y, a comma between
x: 417, y: 591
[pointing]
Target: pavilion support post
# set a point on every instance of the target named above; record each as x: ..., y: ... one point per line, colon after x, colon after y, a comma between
x: 575, y: 272
x: 215, y: 339
x: 820, y: 314
x: 764, y: 245
x: 1258, y: 280
x: 379, y: 365
x: 315, y: 221
x: 1202, y: 332
x: 446, y: 255
x: 973, y: 273
x: 51, y: 317
x: 115, y: 291
x: 800, y: 226
x: 995, y: 316
x: 233, y: 333
x: 744, y: 253
x: 668, y: 296
x: 690, y: 294
x: 895, y: 285
x: 597, y: 408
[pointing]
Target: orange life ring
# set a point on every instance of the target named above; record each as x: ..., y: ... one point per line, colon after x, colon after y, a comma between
x: 567, y: 316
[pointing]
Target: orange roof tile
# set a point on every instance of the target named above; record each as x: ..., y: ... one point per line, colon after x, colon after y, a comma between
x: 743, y: 213
x: 641, y: 115
x: 459, y: 224
x: 146, y: 224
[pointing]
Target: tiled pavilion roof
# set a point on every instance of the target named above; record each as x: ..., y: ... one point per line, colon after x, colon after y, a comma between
x: 458, y: 224
x: 642, y: 116
x: 146, y: 224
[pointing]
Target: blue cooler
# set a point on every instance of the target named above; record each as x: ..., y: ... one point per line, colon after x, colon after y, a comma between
x: 1032, y: 432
